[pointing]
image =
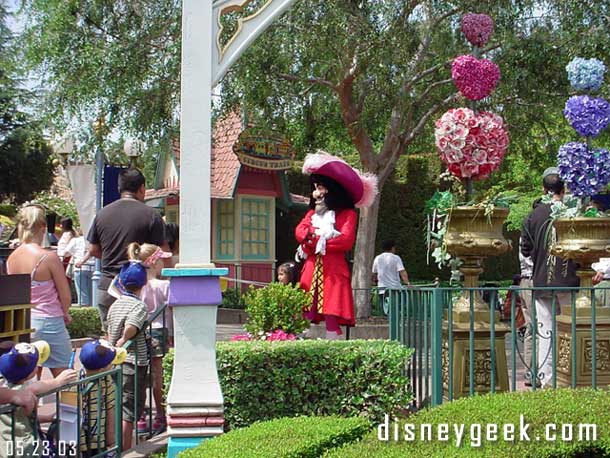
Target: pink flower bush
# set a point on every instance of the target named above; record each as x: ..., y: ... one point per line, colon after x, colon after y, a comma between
x: 276, y: 336
x: 474, y: 78
x: 477, y: 28
x: 241, y: 337
x: 471, y: 144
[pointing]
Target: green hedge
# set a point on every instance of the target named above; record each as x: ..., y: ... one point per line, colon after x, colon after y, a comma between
x: 301, y: 437
x: 559, y: 407
x: 85, y: 322
x: 267, y: 380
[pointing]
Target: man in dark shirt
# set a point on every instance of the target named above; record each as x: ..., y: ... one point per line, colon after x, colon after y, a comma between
x: 534, y: 243
x: 117, y: 225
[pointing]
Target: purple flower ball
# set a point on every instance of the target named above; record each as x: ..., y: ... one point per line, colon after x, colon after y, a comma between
x: 589, y: 116
x: 585, y: 170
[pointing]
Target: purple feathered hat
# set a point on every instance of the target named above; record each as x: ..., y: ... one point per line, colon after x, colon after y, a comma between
x: 362, y: 187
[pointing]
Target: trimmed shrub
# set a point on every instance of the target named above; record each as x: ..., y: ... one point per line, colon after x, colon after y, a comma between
x: 276, y: 306
x: 539, y: 409
x: 266, y: 380
x: 85, y: 322
x: 233, y: 299
x: 301, y: 437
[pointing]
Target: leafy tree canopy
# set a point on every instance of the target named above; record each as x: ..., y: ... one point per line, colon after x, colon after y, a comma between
x: 363, y: 77
x: 25, y: 158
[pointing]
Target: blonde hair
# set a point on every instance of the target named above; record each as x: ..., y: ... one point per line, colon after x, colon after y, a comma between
x: 31, y: 219
x: 137, y: 252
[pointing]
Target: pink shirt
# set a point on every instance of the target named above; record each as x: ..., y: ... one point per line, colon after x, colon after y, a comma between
x: 154, y: 294
x: 45, y: 296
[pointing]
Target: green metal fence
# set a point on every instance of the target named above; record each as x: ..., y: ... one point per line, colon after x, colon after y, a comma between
x: 71, y: 406
x: 76, y: 395
x: 147, y: 366
x: 427, y: 320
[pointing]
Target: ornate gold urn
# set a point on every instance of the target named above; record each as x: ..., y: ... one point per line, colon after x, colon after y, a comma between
x: 473, y: 236
x: 583, y: 240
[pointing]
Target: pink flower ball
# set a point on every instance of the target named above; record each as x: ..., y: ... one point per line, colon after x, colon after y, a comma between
x: 477, y: 28
x: 475, y: 78
x: 472, y: 144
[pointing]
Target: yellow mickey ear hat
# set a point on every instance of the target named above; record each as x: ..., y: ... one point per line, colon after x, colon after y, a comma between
x: 44, y: 351
x: 19, y: 363
x: 120, y: 357
x: 99, y: 354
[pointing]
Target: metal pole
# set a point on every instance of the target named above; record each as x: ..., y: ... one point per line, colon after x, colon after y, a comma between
x: 99, y: 168
x: 436, y: 347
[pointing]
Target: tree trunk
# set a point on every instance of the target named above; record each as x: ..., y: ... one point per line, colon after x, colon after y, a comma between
x: 364, y: 252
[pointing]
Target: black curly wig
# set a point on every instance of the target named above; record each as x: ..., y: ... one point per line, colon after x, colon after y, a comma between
x: 337, y: 197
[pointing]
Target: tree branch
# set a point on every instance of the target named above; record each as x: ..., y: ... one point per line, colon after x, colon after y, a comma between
x: 430, y: 88
x: 424, y: 45
x: 408, y: 138
x: 313, y: 80
x: 352, y: 120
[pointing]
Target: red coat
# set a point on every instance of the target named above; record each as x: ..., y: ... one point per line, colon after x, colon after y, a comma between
x: 338, y: 299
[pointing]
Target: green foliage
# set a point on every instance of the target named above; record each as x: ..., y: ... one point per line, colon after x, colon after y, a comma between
x: 25, y: 157
x: 8, y: 210
x: 232, y: 298
x: 301, y: 437
x: 559, y: 407
x: 85, y: 323
x: 276, y: 306
x: 132, y: 47
x: 265, y: 380
x: 401, y: 215
x: 54, y: 203
x: 25, y: 164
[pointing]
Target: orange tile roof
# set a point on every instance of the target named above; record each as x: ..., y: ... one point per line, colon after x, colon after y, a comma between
x: 225, y: 165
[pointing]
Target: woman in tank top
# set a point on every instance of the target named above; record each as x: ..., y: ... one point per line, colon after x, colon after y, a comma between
x: 50, y: 290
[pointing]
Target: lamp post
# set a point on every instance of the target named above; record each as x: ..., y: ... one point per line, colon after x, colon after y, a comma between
x: 133, y: 149
x: 98, y: 128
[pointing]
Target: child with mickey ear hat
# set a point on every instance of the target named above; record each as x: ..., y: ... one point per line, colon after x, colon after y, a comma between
x: 126, y: 321
x: 18, y: 367
x: 97, y: 429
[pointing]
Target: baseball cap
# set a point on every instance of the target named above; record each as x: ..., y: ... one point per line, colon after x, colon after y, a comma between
x: 132, y: 275
x: 18, y: 363
x: 99, y: 354
x: 550, y: 171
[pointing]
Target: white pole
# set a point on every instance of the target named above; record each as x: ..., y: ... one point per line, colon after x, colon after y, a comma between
x: 195, y: 133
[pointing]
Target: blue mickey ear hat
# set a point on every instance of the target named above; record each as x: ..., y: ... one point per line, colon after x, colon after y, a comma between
x: 99, y: 354
x: 132, y: 275
x: 19, y: 362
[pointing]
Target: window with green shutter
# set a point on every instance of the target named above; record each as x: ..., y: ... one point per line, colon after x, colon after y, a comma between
x: 255, y: 228
x: 225, y: 229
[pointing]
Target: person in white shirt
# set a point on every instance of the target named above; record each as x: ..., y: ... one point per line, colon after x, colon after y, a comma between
x: 82, y: 268
x: 527, y: 269
x: 67, y: 234
x: 601, y: 280
x: 388, y: 270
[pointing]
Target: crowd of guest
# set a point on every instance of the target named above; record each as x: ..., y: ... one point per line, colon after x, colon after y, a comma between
x: 132, y: 252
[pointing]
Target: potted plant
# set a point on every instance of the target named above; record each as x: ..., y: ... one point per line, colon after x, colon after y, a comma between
x: 580, y: 231
x: 472, y: 144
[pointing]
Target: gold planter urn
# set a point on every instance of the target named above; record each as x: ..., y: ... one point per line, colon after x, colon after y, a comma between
x: 583, y: 240
x: 473, y: 236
